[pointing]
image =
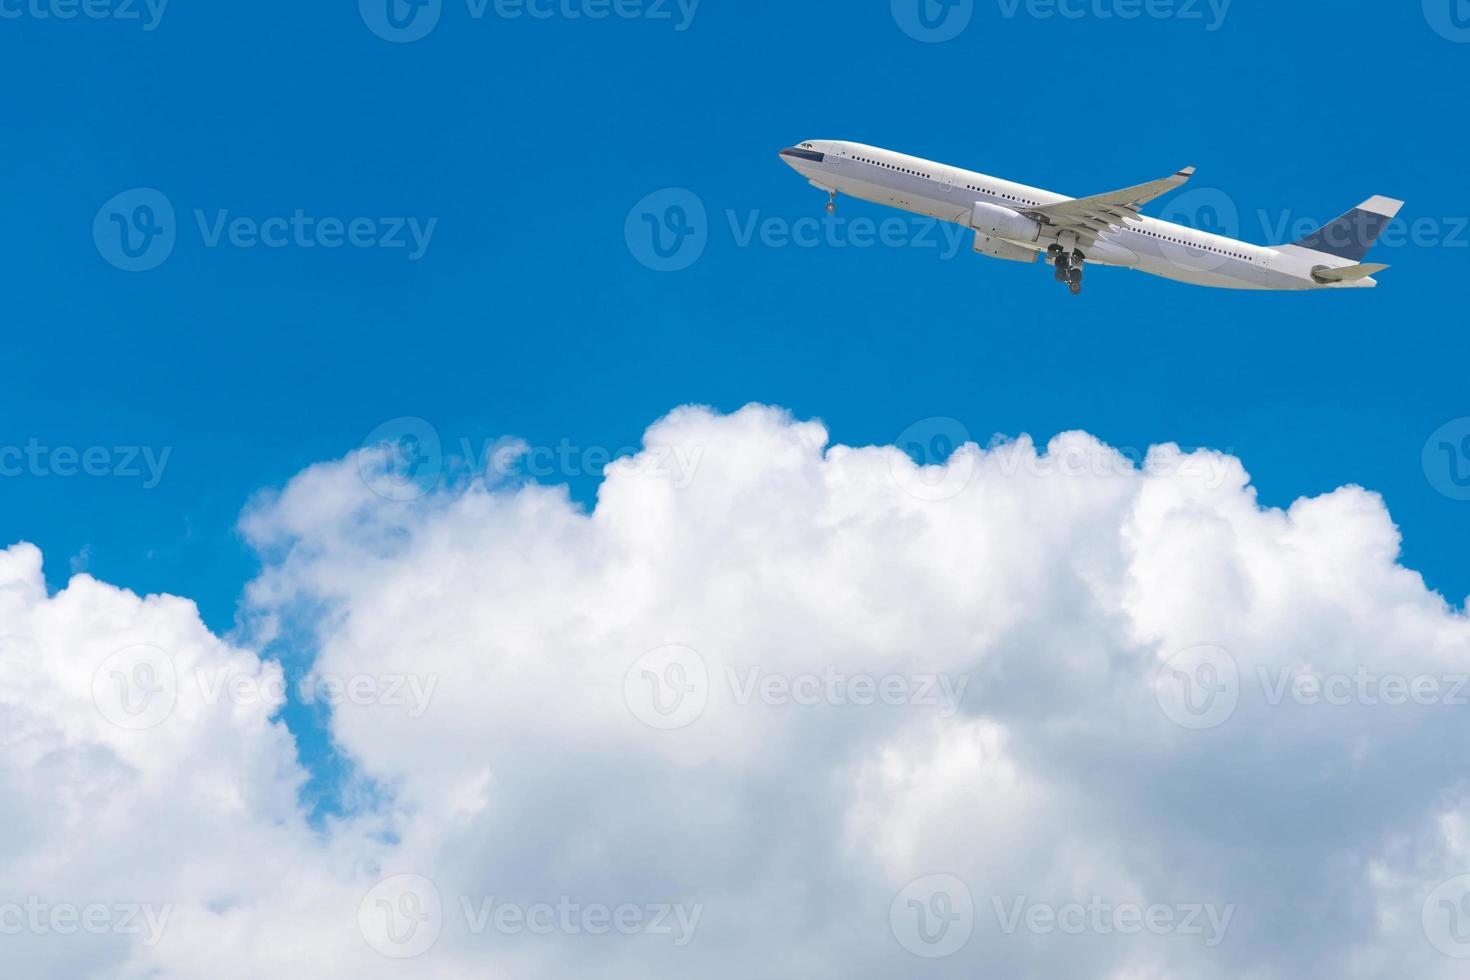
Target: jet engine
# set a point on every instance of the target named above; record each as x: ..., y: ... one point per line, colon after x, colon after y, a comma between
x: 998, y: 222
x: 994, y: 247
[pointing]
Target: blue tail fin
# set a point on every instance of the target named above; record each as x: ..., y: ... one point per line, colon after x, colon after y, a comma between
x: 1352, y: 235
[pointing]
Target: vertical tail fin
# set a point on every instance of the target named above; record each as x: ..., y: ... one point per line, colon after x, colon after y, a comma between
x: 1352, y: 235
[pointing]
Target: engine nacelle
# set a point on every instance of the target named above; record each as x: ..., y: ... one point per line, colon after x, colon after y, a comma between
x: 998, y: 222
x: 995, y: 248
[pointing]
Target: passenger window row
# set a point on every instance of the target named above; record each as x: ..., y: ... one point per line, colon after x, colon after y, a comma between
x: 1198, y: 245
x: 1021, y: 200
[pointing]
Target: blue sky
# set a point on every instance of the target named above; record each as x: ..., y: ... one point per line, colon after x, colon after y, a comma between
x: 520, y: 147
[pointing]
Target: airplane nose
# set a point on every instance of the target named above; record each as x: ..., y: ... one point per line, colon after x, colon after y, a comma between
x: 795, y: 154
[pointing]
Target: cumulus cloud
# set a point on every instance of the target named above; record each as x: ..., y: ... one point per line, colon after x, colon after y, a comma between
x: 783, y: 709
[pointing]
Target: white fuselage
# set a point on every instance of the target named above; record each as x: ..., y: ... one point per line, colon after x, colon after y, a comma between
x: 1146, y: 244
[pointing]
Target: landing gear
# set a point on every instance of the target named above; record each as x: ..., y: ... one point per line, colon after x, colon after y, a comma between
x: 1068, y: 266
x: 831, y: 202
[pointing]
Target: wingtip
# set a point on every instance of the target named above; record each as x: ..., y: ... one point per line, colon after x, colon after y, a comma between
x: 1186, y: 172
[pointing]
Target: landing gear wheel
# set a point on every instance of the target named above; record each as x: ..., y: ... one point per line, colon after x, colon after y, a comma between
x: 1069, y: 270
x: 832, y: 202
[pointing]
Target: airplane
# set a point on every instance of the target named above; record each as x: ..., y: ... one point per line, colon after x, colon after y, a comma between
x: 1019, y: 223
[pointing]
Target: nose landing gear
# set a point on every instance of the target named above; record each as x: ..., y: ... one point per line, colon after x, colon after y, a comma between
x: 831, y: 202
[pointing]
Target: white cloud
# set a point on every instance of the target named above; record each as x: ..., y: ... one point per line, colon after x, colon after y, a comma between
x: 491, y: 646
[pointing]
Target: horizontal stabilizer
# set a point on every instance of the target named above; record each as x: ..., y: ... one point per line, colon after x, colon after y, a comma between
x: 1347, y: 273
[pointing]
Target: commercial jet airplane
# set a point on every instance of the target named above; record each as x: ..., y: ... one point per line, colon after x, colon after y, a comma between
x: 1013, y: 221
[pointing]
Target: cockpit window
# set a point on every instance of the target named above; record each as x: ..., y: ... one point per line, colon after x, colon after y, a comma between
x: 806, y: 146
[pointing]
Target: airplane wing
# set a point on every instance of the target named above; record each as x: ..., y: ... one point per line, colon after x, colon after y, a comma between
x: 1090, y: 217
